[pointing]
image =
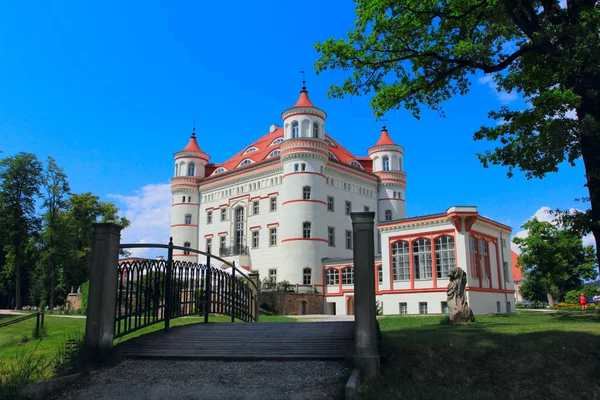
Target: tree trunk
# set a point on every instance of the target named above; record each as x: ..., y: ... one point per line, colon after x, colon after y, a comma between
x: 18, y: 304
x: 52, y: 283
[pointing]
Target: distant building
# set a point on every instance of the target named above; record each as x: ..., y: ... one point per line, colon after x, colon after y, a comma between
x: 281, y: 207
x: 517, y: 276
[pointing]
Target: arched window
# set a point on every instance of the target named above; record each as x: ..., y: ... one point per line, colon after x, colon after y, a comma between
x: 219, y: 170
x: 306, y: 230
x: 332, y: 277
x: 191, y: 169
x: 176, y: 169
x: 445, y: 259
x: 380, y: 274
x: 274, y: 153
x: 188, y: 219
x: 422, y: 258
x: 295, y: 129
x: 348, y: 276
x: 250, y: 150
x: 388, y: 215
x: 278, y: 140
x: 306, y: 192
x: 401, y: 261
x: 355, y: 164
x: 315, y: 130
x: 307, y: 276
x: 245, y: 162
x: 386, y: 163
x: 329, y: 142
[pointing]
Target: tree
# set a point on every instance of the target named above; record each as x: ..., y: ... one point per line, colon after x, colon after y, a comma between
x: 555, y: 258
x: 56, y: 192
x: 20, y: 177
x: 533, y: 290
x: 414, y: 52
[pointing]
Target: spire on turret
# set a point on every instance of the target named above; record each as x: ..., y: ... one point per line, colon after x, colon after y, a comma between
x: 385, y: 139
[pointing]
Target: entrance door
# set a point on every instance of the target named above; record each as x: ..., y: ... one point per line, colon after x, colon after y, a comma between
x: 239, y: 230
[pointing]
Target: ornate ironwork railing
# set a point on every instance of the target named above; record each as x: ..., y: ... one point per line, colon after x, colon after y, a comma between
x: 152, y: 291
x: 233, y: 251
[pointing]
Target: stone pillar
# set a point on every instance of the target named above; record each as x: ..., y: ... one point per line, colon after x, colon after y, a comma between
x: 366, y: 357
x: 254, y: 277
x: 102, y: 293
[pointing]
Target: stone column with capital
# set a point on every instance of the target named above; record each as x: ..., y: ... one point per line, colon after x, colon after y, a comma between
x: 102, y: 293
x: 366, y: 357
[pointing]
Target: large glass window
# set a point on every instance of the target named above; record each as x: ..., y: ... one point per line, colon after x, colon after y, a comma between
x: 332, y: 277
x: 485, y: 258
x: 422, y: 258
x: 445, y: 259
x: 401, y: 261
x: 348, y: 276
x: 475, y: 267
x: 306, y: 276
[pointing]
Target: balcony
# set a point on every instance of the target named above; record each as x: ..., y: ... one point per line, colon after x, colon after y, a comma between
x: 233, y: 251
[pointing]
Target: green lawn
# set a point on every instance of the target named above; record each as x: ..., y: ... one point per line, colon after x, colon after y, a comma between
x: 519, y: 356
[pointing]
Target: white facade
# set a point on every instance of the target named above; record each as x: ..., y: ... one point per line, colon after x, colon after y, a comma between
x: 280, y: 207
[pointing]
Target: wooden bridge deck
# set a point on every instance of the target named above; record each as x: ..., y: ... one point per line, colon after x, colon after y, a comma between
x: 249, y: 341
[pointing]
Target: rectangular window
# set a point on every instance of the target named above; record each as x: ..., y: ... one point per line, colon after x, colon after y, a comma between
x: 255, y: 236
x: 209, y: 217
x: 296, y: 167
x: 388, y: 215
x: 223, y: 242
x: 189, y: 199
x: 188, y: 219
x: 306, y: 192
x: 445, y: 308
x: 348, y: 276
x: 331, y: 236
x: 366, y: 208
x: 348, y: 208
x: 223, y: 214
x: 186, y: 244
x: 474, y: 257
x: 444, y: 255
x: 303, y: 167
x: 403, y: 308
x: 505, y: 271
x: 423, y: 308
x: 349, y: 239
x: 380, y: 274
x: 273, y: 237
x: 255, y: 207
x: 306, y: 230
x: 401, y: 261
x: 330, y: 206
x: 422, y: 258
x: 183, y: 199
x: 498, y: 307
x: 503, y: 243
x: 273, y: 204
x: 307, y: 276
x: 273, y: 275
x: 332, y: 277
x: 209, y: 245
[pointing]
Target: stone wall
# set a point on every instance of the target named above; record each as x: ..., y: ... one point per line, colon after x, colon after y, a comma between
x: 292, y: 303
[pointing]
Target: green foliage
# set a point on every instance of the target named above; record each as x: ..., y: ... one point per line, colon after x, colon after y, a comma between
x: 533, y: 289
x: 284, y: 286
x: 554, y: 258
x: 573, y: 295
x: 410, y: 53
x: 268, y: 284
x: 70, y: 355
x: 85, y: 288
x: 26, y: 366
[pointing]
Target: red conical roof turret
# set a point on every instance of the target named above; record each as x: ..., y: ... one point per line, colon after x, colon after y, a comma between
x: 384, y: 139
x: 192, y: 145
x: 304, y: 101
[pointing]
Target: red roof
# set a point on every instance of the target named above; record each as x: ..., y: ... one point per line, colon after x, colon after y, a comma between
x: 517, y: 273
x: 192, y: 146
x: 384, y: 139
x: 304, y: 101
x: 264, y: 146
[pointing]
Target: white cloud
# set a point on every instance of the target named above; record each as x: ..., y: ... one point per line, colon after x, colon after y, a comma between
x: 149, y: 210
x: 503, y: 96
x: 543, y: 214
x: 562, y: 3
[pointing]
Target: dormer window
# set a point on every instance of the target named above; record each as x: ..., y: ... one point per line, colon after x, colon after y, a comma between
x: 315, y: 130
x: 250, y: 150
x: 245, y: 162
x: 274, y: 153
x: 278, y: 140
x: 219, y: 170
x: 333, y: 157
x: 355, y: 164
x: 295, y: 129
x: 191, y: 169
x: 329, y: 142
x: 386, y: 163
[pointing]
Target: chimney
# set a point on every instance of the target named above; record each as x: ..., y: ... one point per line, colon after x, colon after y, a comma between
x: 273, y: 128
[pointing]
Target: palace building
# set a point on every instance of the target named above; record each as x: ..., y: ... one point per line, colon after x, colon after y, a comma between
x: 281, y: 207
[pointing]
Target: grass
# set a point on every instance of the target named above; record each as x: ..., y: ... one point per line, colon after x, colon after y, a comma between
x: 518, y: 356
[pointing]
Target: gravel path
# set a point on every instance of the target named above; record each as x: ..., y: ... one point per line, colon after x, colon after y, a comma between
x: 263, y: 380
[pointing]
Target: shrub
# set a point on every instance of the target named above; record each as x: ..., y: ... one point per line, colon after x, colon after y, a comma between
x: 573, y: 295
x: 84, y: 296
x: 70, y: 355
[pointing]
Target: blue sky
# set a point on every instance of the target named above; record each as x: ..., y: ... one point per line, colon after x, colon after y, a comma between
x: 111, y: 90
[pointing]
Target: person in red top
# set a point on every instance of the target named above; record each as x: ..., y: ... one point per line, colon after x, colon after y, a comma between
x: 583, y: 301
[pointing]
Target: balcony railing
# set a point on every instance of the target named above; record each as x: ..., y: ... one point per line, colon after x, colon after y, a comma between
x: 233, y: 251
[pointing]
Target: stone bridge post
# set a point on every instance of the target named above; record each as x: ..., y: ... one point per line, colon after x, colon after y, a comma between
x: 366, y: 357
x: 102, y: 293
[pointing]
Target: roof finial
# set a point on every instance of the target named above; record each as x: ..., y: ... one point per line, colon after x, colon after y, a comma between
x: 303, y: 81
x: 194, y: 129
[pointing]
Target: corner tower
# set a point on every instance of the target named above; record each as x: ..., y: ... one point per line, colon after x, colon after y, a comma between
x: 304, y: 154
x: 190, y: 166
x: 388, y: 159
